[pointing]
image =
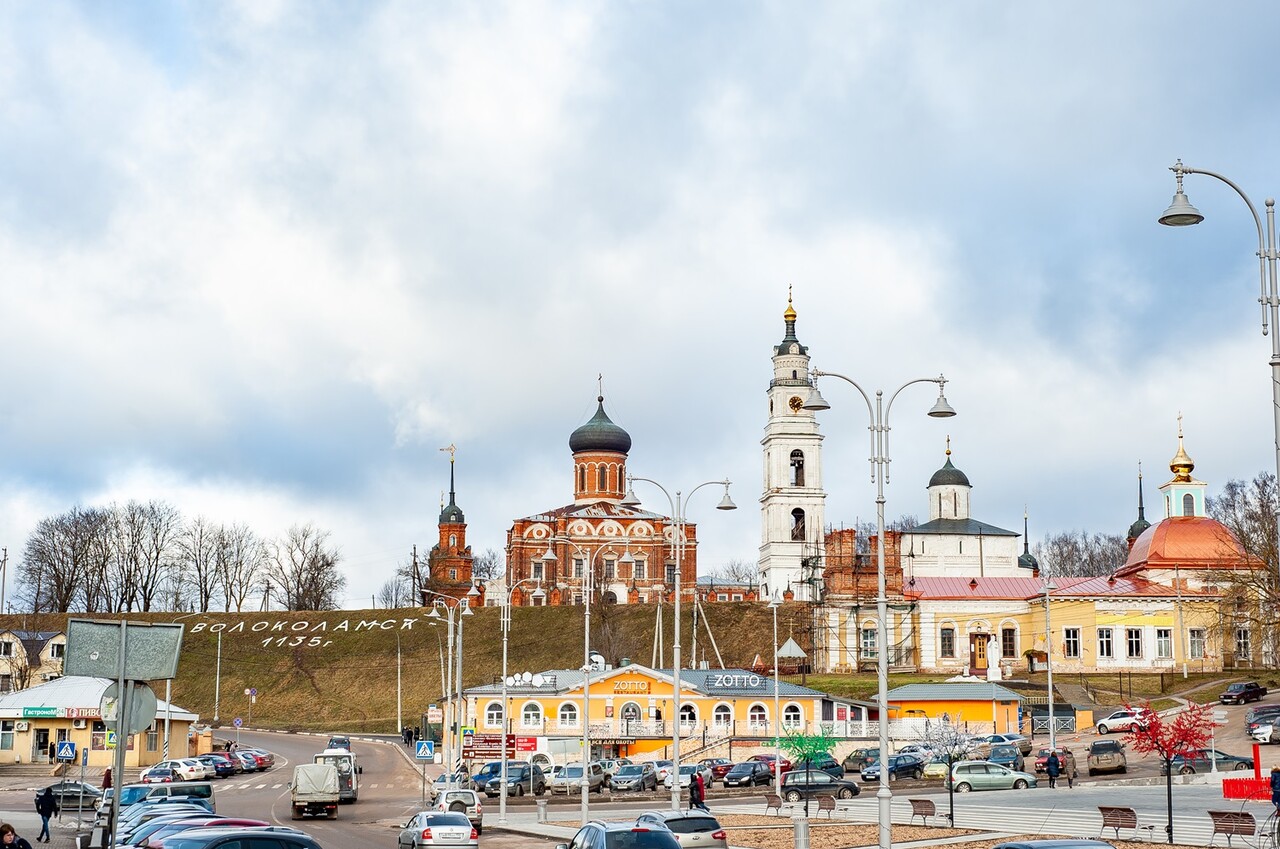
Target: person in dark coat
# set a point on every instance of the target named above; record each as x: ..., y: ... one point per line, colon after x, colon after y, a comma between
x: 1052, y: 767
x: 46, y: 806
x: 1069, y: 768
x: 1275, y: 787
x: 9, y: 837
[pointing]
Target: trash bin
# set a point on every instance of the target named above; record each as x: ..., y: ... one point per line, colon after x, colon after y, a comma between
x: 542, y: 810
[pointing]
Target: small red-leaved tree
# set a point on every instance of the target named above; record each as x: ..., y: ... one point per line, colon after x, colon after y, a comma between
x: 1169, y: 737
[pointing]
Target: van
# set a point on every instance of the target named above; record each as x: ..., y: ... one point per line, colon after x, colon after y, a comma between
x: 348, y: 772
x: 200, y: 792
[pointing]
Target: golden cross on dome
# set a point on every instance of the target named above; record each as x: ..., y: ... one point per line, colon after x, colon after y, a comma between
x: 451, y: 449
x: 948, y: 445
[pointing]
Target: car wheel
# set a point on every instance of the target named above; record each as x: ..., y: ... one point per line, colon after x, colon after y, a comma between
x: 845, y: 793
x: 1186, y: 770
x: 963, y: 787
x: 1020, y: 784
x: 1124, y: 768
x: 793, y: 795
x: 1103, y: 729
x: 918, y: 774
x: 519, y: 789
x: 1092, y: 773
x: 1241, y: 765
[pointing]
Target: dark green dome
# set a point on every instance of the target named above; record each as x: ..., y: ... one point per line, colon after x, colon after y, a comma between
x: 1027, y: 560
x: 1136, y: 529
x: 949, y: 475
x: 600, y: 434
x: 452, y: 514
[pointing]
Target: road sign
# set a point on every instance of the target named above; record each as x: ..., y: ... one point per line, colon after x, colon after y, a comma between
x: 435, y: 714
x: 253, y: 691
x: 66, y: 750
x: 238, y: 722
x: 111, y: 739
x: 142, y: 707
x: 425, y: 750
x: 84, y: 756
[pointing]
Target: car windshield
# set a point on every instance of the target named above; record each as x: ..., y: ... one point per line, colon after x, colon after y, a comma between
x: 630, y: 769
x: 688, y: 769
x: 1004, y: 752
x: 1106, y: 746
x: 572, y: 772
x: 129, y: 795
x: 692, y: 825
x: 741, y: 769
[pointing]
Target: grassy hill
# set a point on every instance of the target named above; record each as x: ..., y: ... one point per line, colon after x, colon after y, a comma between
x: 337, y: 669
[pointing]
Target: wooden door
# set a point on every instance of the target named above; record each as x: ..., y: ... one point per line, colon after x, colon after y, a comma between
x: 978, y: 652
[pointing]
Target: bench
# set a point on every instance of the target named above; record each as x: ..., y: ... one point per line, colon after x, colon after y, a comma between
x: 828, y: 804
x: 772, y: 800
x: 1232, y: 824
x: 923, y: 808
x: 1118, y: 818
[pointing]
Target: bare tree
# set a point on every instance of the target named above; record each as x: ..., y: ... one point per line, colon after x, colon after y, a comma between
x: 1079, y: 553
x: 488, y: 566
x: 303, y: 570
x: 241, y: 560
x: 395, y: 593
x: 53, y: 563
x: 1248, y: 511
x: 735, y: 572
x: 198, y: 545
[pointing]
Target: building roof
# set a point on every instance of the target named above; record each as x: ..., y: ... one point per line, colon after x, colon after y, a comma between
x: 708, y: 682
x: 1187, y: 542
x: 949, y: 475
x: 1029, y: 589
x: 78, y: 692
x: 600, y: 434
x: 960, y: 527
x: 593, y: 510
x: 791, y: 649
x: 958, y: 691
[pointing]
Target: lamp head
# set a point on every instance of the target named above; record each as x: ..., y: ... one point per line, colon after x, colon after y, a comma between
x: 941, y: 409
x: 434, y: 614
x: 1180, y: 212
x: 466, y: 610
x: 538, y: 594
x: 627, y: 558
x: 549, y: 556
x: 815, y: 401
x: 630, y: 499
x: 726, y: 503
x: 473, y: 592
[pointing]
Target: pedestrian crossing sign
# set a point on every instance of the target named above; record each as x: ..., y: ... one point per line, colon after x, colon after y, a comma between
x: 66, y: 750
x: 425, y: 750
x: 111, y: 739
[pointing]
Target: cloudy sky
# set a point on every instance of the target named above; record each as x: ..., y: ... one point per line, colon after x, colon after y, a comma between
x: 264, y: 259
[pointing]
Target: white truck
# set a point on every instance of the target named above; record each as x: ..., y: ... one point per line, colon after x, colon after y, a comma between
x: 314, y: 791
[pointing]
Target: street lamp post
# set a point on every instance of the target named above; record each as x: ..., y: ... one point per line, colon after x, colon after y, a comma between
x: 1048, y: 653
x: 506, y: 722
x: 774, y: 604
x: 677, y: 543
x: 1182, y: 214
x: 453, y: 743
x: 879, y: 427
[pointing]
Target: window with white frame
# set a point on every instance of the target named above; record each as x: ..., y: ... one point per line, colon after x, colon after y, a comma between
x: 791, y: 716
x: 493, y: 715
x: 688, y: 714
x: 671, y: 574
x: 1106, y: 648
x: 722, y: 596
x: 577, y: 567
x: 1008, y: 642
x: 568, y: 715
x: 58, y: 651
x: 640, y: 569
x: 531, y: 716
x: 1164, y: 644
x: 757, y: 715
x: 947, y: 642
x: 610, y: 570
x: 536, y: 569
x: 868, y: 641
x: 1071, y: 642
x: 722, y: 716
x: 6, y: 648
x: 737, y: 597
x: 6, y: 733
x: 1244, y: 645
x: 1196, y: 639
x: 1133, y: 643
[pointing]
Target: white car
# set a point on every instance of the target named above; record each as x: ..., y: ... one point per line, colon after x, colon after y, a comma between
x: 187, y: 769
x: 687, y: 771
x: 1263, y: 733
x: 1124, y: 720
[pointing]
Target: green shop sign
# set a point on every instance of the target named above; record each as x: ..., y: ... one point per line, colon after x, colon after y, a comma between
x: 39, y: 712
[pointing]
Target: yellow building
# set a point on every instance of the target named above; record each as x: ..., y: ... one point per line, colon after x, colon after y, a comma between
x: 630, y: 712
x: 975, y: 708
x: 67, y: 709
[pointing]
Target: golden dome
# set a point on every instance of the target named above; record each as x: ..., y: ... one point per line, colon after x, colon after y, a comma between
x: 790, y: 314
x: 1181, y: 465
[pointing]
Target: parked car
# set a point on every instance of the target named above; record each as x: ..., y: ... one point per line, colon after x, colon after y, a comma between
x: 1201, y: 760
x: 663, y: 768
x: 571, y: 777
x: 466, y: 802
x: 692, y: 829
x: 281, y: 837
x: 858, y: 758
x: 265, y: 759
x: 900, y: 766
x: 620, y: 835
x: 73, y: 794
x: 634, y: 777
x: 1241, y: 692
x: 937, y: 767
x: 799, y: 785
x: 187, y: 769
x: 1265, y: 732
x: 155, y: 833
x: 718, y: 767
x: 522, y: 778
x: 1007, y: 756
x: 822, y: 763
x: 611, y: 765
x: 439, y: 829
x: 687, y: 771
x: 221, y: 767
x: 768, y: 758
x: 247, y: 761
x: 1256, y: 711
x: 993, y: 740
x: 1124, y: 720
x: 1260, y: 716
x: 748, y: 774
x: 158, y: 775
x: 980, y: 775
x: 492, y: 769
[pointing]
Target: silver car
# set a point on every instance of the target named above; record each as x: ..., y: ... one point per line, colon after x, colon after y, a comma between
x: 570, y: 779
x: 691, y: 828
x: 437, y: 829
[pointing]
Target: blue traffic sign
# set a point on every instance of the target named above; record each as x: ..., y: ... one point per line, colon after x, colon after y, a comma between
x: 425, y: 750
x: 238, y: 722
x: 66, y: 750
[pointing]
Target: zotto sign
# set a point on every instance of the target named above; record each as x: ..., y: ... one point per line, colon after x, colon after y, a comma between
x: 733, y: 680
x: 631, y: 686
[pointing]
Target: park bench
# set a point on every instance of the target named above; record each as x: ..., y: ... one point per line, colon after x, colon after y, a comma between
x: 1118, y: 818
x: 828, y: 804
x: 923, y: 808
x: 772, y: 800
x: 1232, y: 824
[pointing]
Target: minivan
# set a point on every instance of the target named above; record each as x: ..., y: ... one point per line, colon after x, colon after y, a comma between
x: 200, y: 792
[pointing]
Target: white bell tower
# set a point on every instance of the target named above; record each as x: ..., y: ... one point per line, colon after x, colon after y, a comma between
x: 791, y: 506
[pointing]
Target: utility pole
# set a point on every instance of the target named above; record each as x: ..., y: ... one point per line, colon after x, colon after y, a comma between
x: 4, y: 574
x: 417, y: 597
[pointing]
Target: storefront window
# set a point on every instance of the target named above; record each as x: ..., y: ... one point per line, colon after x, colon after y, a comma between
x: 6, y: 734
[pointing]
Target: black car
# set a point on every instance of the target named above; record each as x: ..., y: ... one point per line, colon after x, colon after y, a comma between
x: 900, y: 766
x: 799, y: 785
x: 748, y: 774
x: 621, y: 835
x: 822, y: 763
x: 279, y: 837
x: 1241, y: 692
x: 522, y: 778
x: 222, y: 767
x: 71, y: 794
x: 1262, y: 715
x: 1201, y: 760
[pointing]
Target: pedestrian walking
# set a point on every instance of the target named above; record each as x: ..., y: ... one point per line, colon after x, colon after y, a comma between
x: 9, y: 837
x: 1069, y: 768
x: 46, y: 806
x: 698, y: 793
x: 1052, y: 767
x: 1275, y: 787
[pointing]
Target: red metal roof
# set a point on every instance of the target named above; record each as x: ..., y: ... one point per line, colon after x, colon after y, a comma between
x: 1024, y: 589
x: 1186, y: 542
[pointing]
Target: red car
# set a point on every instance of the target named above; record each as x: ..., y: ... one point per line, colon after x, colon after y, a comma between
x: 265, y: 759
x: 158, y: 775
x: 718, y: 767
x: 786, y: 762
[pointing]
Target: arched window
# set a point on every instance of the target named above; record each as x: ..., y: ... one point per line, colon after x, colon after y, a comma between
x: 493, y: 715
x: 602, y: 477
x: 757, y: 715
x: 453, y: 540
x: 688, y: 714
x: 797, y: 525
x: 791, y: 716
x: 568, y: 715
x: 722, y: 716
x: 1188, y: 505
x: 797, y: 468
x: 531, y: 716
x: 582, y: 477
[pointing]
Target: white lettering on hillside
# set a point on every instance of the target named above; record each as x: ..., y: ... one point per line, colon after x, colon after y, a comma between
x: 297, y: 639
